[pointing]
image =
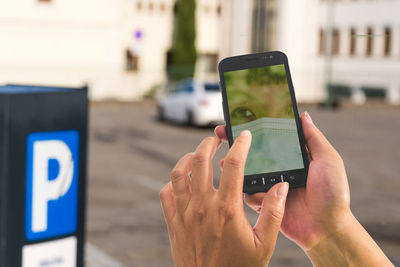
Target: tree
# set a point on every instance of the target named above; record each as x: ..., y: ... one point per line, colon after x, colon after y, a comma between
x: 182, y: 57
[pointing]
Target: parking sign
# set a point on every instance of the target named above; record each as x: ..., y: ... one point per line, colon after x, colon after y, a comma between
x: 51, y: 184
x: 43, y: 148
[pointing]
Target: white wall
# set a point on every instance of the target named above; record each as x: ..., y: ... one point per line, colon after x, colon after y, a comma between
x: 297, y: 38
x: 62, y: 43
x: 235, y: 28
x: 73, y: 42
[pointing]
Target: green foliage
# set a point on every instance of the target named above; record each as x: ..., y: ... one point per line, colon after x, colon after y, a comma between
x: 183, y: 54
x: 257, y: 93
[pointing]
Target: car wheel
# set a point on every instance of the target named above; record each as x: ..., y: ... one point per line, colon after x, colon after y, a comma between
x: 189, y: 118
x: 161, y: 113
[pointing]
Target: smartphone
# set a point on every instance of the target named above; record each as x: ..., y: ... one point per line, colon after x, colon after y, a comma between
x: 258, y: 95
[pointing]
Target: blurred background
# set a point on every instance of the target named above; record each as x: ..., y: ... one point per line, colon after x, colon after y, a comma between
x: 151, y: 68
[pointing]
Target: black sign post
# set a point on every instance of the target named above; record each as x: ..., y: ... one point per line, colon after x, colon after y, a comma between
x: 43, y: 139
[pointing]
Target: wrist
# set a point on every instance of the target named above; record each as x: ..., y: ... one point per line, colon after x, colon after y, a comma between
x: 330, y: 247
x: 325, y: 228
x: 348, y: 244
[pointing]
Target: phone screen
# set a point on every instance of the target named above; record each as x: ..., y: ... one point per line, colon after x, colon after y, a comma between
x: 259, y: 100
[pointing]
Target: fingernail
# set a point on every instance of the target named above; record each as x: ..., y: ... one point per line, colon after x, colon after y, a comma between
x: 245, y: 133
x: 308, y: 117
x: 215, y: 130
x: 282, y: 190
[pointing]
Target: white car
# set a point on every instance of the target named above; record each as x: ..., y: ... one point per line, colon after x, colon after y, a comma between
x: 192, y: 103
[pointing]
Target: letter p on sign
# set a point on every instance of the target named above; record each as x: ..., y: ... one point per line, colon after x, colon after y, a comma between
x: 51, y: 184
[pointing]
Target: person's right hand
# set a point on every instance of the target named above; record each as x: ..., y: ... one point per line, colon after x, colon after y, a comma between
x: 318, y: 217
x: 323, y: 205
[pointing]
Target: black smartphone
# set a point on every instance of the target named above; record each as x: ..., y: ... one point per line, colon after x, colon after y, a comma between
x: 258, y: 95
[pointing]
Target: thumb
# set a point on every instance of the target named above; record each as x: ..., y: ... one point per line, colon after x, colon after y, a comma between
x: 318, y: 145
x: 271, y: 214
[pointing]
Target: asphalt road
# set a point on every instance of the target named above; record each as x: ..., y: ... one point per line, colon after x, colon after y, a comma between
x: 131, y: 155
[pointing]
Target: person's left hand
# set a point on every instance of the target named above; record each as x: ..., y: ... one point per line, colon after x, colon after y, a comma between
x: 208, y: 227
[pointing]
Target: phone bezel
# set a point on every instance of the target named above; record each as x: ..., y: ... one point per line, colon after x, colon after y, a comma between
x: 258, y: 60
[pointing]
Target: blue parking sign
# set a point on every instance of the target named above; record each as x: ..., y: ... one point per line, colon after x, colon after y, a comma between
x: 51, y: 184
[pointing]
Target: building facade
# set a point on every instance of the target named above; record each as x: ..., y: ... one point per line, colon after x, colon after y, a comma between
x: 344, y: 43
x: 117, y: 47
x: 364, y: 46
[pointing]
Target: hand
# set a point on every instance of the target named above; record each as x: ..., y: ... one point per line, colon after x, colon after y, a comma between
x: 208, y: 227
x: 322, y: 206
x: 318, y: 217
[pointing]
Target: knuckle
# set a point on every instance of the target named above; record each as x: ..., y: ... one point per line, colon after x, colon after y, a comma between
x: 200, y: 158
x: 225, y: 210
x: 233, y: 161
x: 176, y: 174
x: 199, y: 213
x: 276, y: 216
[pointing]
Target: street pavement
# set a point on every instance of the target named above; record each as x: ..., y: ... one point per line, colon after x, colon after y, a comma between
x: 131, y: 155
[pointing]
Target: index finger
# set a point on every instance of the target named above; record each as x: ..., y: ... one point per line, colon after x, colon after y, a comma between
x: 254, y: 201
x: 231, y: 184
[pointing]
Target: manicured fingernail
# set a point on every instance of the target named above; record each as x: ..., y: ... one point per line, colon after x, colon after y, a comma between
x: 282, y: 190
x: 308, y: 117
x: 245, y: 133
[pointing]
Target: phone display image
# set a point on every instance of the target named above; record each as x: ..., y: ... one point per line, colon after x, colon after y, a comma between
x: 259, y: 100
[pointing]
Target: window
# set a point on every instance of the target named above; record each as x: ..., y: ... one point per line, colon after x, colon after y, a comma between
x: 321, y: 42
x: 132, y: 61
x: 387, y: 41
x: 335, y: 42
x: 151, y: 6
x: 219, y: 10
x: 139, y: 6
x: 370, y: 39
x: 186, y: 88
x: 211, y: 87
x: 162, y: 7
x: 264, y: 25
x: 353, y: 41
x: 209, y: 62
x: 189, y: 88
